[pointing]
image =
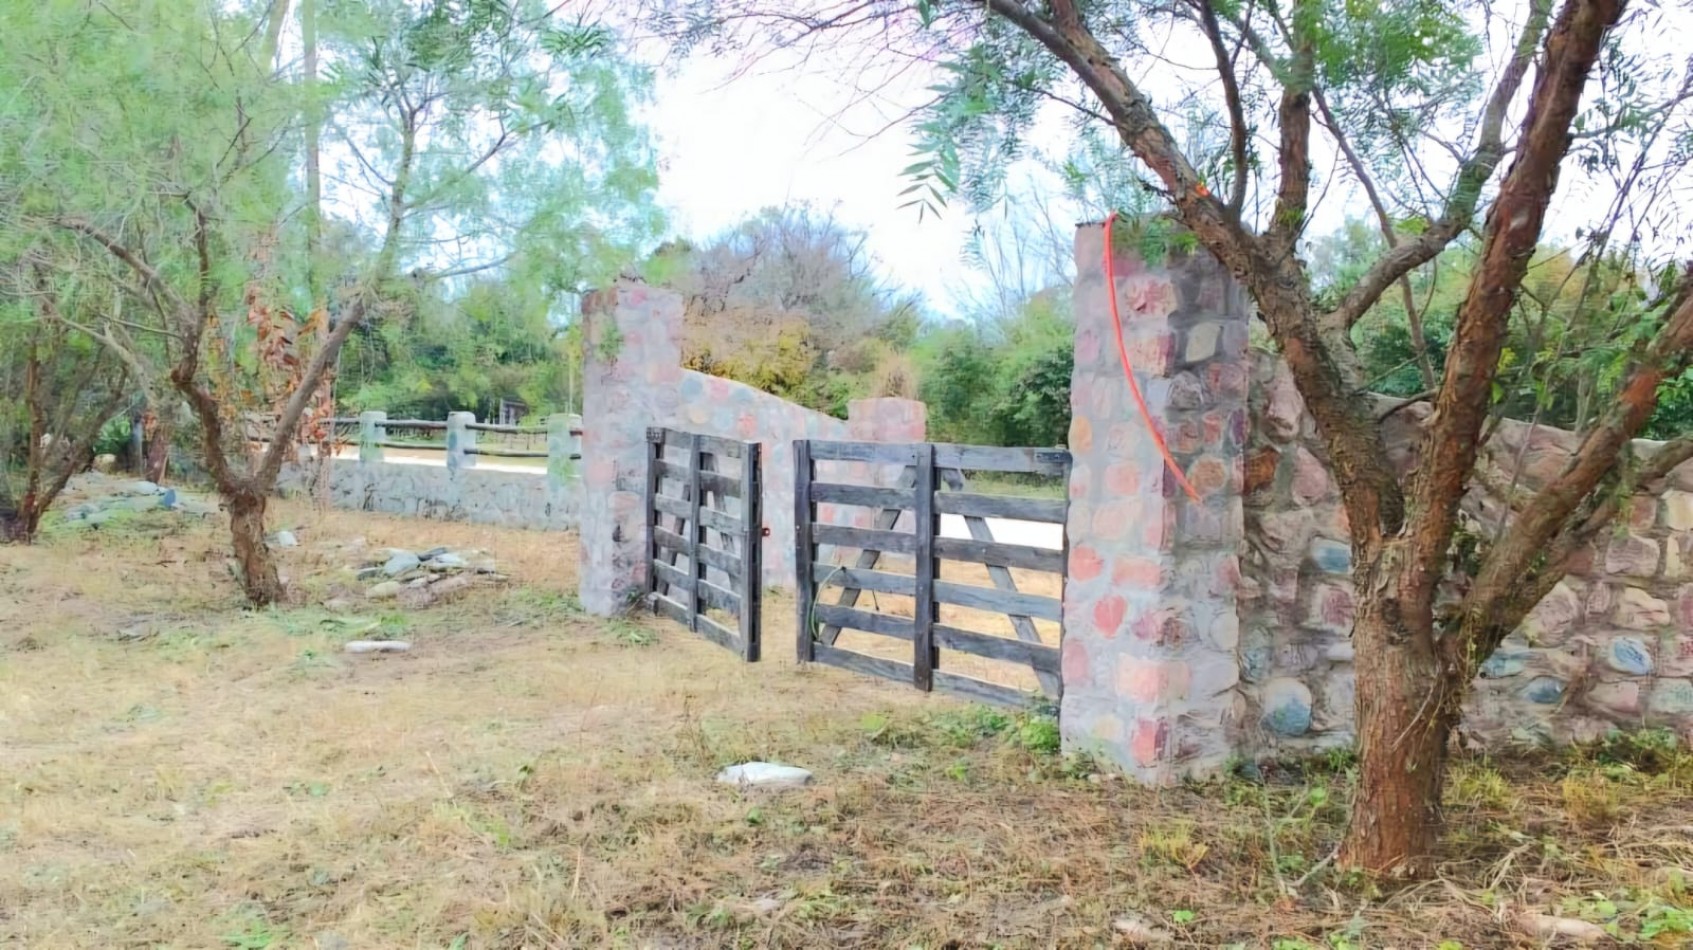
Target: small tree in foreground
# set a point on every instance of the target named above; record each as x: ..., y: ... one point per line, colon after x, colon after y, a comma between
x: 1403, y: 96
x: 490, y: 135
x: 58, y: 388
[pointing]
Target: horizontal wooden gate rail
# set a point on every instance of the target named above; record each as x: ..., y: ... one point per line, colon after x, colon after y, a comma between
x: 931, y: 484
x: 705, y: 501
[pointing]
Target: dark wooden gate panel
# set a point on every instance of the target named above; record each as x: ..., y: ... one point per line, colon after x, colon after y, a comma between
x: 690, y: 573
x: 931, y: 484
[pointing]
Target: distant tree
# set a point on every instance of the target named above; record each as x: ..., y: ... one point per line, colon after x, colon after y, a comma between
x: 790, y: 301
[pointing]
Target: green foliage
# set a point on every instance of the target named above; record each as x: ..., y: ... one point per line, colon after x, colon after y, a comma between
x: 788, y: 302
x: 1002, y: 385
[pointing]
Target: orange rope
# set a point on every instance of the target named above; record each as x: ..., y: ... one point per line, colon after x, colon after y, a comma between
x: 1128, y: 370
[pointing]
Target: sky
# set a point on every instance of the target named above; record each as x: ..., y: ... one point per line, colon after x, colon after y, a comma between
x: 730, y: 144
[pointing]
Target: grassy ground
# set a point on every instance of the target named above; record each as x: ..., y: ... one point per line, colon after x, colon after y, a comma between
x: 175, y: 771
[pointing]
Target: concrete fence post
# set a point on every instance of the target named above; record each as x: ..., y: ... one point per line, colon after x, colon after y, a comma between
x: 564, y: 447
x: 461, y: 441
x: 372, y: 431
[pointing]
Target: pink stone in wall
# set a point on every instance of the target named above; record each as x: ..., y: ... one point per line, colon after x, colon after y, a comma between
x: 1187, y: 437
x: 1553, y: 617
x: 1684, y: 606
x: 1638, y: 610
x: 1632, y: 555
x: 746, y: 426
x: 1162, y: 626
x: 1310, y: 478
x: 1226, y: 380
x: 1138, y: 573
x: 1122, y: 478
x: 1081, y: 434
x: 1208, y: 475
x: 1140, y: 680
x: 1150, y: 739
x: 1148, y: 296
x: 1085, y: 563
x: 1331, y: 608
x: 1087, y: 347
x: 1620, y: 698
x: 1642, y: 512
x: 1151, y: 353
x: 1113, y: 520
x: 1108, y: 614
x: 1284, y: 408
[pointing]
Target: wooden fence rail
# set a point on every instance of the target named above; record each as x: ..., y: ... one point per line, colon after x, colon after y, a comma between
x: 931, y: 484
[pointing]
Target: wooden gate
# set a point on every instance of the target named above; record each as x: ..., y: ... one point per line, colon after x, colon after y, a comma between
x: 930, y: 484
x: 690, y: 574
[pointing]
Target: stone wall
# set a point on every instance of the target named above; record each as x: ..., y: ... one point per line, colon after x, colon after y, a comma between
x: 1611, y: 646
x: 458, y: 489
x: 634, y: 379
x: 1196, y: 630
x: 508, y: 499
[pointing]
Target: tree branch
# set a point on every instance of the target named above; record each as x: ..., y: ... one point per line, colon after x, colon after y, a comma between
x: 1450, y: 444
x: 1231, y: 98
x: 1419, y: 342
x: 1465, y: 194
x: 150, y: 277
x: 1294, y: 190
x: 1068, y: 38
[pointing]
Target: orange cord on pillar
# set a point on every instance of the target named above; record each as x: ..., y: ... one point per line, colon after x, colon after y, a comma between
x: 1128, y: 370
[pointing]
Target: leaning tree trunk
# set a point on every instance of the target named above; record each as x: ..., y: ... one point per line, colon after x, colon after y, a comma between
x: 258, y: 575
x: 1406, y: 714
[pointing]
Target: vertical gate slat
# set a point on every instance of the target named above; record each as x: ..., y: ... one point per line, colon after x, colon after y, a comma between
x: 804, y: 514
x: 927, y: 526
x: 694, y: 532
x: 654, y: 450
x: 752, y: 552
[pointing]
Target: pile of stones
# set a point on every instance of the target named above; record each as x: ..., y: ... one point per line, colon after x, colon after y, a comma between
x: 419, y: 578
x: 101, y: 499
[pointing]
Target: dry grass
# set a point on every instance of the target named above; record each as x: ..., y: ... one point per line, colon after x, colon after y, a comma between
x: 529, y: 777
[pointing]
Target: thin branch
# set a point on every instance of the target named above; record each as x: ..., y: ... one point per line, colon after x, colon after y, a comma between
x: 1231, y: 97
x: 1465, y: 195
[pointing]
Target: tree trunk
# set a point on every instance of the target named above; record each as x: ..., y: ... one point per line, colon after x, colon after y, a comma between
x: 18, y: 525
x: 1406, y: 713
x: 259, y: 579
x: 159, y: 433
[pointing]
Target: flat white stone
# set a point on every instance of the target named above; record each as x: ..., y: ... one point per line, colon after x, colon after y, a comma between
x: 764, y: 775
x: 377, y: 646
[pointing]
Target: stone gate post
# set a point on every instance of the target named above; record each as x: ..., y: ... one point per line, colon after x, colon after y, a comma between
x: 1151, y: 630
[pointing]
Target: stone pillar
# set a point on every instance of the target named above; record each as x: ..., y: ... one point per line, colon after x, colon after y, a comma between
x: 1151, y: 633
x: 631, y: 375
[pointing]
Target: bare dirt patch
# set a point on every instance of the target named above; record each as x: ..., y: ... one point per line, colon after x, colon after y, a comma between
x: 176, y: 771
